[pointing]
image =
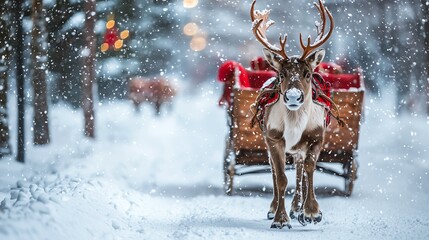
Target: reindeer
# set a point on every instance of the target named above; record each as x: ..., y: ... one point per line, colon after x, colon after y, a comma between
x: 294, y: 124
x: 155, y: 91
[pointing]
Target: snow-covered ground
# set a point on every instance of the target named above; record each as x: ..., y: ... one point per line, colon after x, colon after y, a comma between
x: 161, y: 178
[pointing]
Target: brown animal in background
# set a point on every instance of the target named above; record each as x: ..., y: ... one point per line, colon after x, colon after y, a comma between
x: 294, y: 124
x: 156, y: 92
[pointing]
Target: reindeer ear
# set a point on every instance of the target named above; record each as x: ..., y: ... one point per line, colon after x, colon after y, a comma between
x: 316, y: 58
x: 273, y: 59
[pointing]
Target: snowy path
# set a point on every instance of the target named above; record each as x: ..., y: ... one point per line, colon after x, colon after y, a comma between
x: 161, y: 178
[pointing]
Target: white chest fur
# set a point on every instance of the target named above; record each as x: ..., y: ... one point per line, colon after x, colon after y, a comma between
x: 294, y: 123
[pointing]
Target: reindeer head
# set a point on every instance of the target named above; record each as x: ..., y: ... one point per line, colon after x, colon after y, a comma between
x: 295, y: 73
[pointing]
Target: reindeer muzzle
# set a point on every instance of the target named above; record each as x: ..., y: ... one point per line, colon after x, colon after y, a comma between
x: 293, y: 99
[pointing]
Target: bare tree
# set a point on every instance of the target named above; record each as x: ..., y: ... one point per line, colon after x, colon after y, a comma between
x: 5, y: 48
x: 425, y: 10
x: 39, y: 59
x: 88, y: 54
x: 18, y: 15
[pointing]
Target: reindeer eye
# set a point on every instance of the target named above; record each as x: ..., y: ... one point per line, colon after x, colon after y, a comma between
x: 307, y: 74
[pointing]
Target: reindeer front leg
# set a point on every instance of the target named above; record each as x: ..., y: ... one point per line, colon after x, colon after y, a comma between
x: 276, y: 146
x: 311, y: 208
x: 274, y: 202
x: 300, y: 188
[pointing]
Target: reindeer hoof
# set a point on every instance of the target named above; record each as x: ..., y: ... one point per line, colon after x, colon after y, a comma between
x: 301, y: 219
x: 270, y: 215
x: 280, y: 225
x: 308, y: 219
x: 305, y: 219
x: 318, y: 219
x: 293, y: 214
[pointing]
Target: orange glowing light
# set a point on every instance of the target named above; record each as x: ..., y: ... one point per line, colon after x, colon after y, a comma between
x: 124, y: 34
x: 104, y: 47
x: 118, y: 44
x: 110, y: 24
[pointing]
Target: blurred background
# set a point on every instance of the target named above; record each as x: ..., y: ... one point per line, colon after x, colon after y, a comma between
x: 185, y: 41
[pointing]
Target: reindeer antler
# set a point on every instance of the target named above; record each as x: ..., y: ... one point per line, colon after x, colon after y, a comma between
x: 261, y: 23
x: 320, y: 28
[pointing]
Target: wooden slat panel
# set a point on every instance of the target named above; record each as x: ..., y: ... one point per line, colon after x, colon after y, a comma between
x: 346, y: 138
x: 337, y: 139
x: 245, y: 137
x: 250, y: 157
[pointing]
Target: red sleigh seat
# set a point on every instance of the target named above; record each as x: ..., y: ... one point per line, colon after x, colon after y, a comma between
x: 233, y: 74
x: 333, y: 73
x: 254, y: 78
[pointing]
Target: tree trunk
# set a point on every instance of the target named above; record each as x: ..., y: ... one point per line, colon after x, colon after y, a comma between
x: 425, y: 9
x: 4, y: 68
x: 88, y: 54
x: 19, y: 50
x: 39, y: 59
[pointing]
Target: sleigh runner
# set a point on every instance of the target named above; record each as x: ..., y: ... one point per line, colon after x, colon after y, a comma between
x: 245, y: 149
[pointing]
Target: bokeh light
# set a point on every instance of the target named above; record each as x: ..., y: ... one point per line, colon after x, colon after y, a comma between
x: 190, y: 29
x: 110, y: 24
x: 190, y: 3
x: 118, y: 44
x: 124, y: 34
x: 104, y: 47
x: 198, y: 43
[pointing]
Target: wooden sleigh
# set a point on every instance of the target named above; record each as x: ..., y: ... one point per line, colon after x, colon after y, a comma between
x: 245, y: 149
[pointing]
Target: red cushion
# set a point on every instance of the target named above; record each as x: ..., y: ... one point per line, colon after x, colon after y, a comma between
x: 333, y: 73
x: 259, y: 64
x: 343, y: 81
x: 227, y: 70
x: 329, y: 67
x: 258, y: 78
x: 247, y: 78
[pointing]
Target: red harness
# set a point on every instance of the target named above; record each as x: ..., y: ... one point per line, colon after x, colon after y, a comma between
x: 319, y: 85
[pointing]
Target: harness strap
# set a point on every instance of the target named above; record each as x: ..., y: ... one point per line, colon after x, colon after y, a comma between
x: 341, y: 123
x: 256, y: 108
x: 320, y: 94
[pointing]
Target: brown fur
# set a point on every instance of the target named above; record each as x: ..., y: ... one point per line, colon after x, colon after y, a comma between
x: 293, y: 74
x: 297, y: 120
x: 156, y: 91
x: 308, y: 138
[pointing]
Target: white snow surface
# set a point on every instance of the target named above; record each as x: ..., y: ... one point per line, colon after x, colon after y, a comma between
x: 161, y: 178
